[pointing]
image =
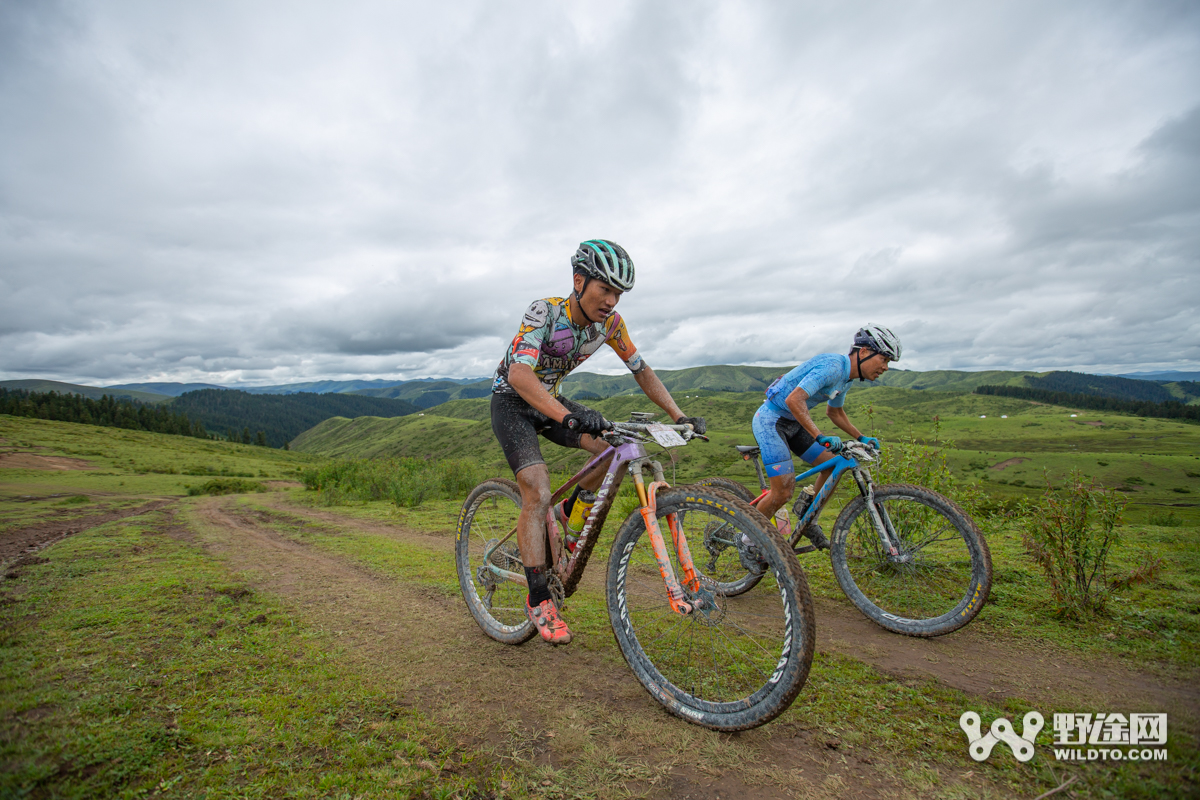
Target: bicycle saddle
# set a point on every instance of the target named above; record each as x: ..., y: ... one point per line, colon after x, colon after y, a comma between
x: 747, y: 450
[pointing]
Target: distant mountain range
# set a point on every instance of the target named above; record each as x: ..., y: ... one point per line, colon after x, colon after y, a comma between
x: 167, y: 389
x: 426, y: 393
x: 1168, y: 377
x: 94, y: 392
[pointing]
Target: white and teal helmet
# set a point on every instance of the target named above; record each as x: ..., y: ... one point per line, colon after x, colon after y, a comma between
x: 879, y: 339
x: 606, y: 261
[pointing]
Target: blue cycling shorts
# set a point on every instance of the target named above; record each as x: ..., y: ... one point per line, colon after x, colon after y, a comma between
x: 778, y: 437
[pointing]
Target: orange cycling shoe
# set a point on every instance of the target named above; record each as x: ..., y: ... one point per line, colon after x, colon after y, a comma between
x: 548, y: 623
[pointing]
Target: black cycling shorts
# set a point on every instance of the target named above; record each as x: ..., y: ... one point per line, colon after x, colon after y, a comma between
x: 517, y: 425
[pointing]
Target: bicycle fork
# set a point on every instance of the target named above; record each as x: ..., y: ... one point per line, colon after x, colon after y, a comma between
x: 879, y: 517
x: 647, y: 495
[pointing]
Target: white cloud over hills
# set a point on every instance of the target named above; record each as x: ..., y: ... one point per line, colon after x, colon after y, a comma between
x: 289, y: 191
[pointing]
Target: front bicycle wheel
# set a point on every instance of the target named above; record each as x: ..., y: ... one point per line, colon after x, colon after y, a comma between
x: 734, y: 662
x: 488, y: 515
x: 941, y: 576
x: 725, y: 558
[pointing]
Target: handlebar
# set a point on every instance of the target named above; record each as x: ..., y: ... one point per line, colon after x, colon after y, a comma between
x: 856, y: 450
x: 639, y: 431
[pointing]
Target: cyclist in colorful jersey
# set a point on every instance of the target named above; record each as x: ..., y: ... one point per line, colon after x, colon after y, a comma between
x: 782, y: 425
x: 555, y: 337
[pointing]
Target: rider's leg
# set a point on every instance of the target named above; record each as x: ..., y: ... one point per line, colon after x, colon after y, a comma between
x: 824, y: 475
x: 594, y: 445
x: 776, y: 458
x: 534, y: 482
x: 781, y: 492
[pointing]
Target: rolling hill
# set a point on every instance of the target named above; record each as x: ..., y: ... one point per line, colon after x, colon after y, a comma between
x: 167, y: 389
x: 426, y: 394
x: 94, y: 392
x: 281, y: 417
x: 1114, y: 387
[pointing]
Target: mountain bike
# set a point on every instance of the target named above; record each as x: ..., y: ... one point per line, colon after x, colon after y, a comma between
x: 908, y: 558
x: 721, y: 662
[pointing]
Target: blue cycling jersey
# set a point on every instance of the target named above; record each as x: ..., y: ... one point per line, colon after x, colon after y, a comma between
x: 825, y: 378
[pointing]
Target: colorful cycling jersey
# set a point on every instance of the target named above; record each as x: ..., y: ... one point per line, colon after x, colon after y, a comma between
x: 553, y: 345
x: 825, y: 377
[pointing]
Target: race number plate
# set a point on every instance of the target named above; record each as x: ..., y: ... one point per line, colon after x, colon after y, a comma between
x: 665, y: 436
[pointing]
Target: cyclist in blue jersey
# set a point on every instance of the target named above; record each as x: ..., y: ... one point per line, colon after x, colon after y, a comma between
x: 783, y: 425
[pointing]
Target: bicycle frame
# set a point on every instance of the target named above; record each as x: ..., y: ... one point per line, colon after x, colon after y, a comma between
x: 629, y: 456
x: 839, y: 465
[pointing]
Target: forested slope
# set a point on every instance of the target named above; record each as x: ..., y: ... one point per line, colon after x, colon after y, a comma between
x: 280, y: 416
x: 1115, y: 387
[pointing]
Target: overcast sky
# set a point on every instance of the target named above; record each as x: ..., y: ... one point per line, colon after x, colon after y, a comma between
x: 275, y: 192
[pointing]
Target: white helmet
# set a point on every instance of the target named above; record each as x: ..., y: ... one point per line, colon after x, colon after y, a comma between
x: 879, y: 339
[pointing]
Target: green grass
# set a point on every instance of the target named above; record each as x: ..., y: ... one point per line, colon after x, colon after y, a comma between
x: 131, y: 659
x: 131, y: 665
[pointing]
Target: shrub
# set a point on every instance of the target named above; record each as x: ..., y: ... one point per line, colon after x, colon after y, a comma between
x: 1146, y: 570
x: 1165, y: 519
x: 407, y: 482
x: 1070, y: 533
x: 905, y: 460
x: 219, y: 486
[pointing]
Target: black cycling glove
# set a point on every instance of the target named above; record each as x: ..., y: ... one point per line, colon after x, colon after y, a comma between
x: 697, y: 423
x: 586, y: 421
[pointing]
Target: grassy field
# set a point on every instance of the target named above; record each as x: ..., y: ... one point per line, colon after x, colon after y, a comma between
x: 1007, y: 445
x: 264, y: 645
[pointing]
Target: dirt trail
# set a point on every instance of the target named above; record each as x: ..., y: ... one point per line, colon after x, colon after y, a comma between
x: 432, y: 651
x: 26, y: 460
x: 968, y: 660
x: 24, y: 542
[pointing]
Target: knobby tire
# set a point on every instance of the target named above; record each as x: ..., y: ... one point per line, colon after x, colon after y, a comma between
x: 740, y: 661
x: 490, y: 512
x: 942, y: 577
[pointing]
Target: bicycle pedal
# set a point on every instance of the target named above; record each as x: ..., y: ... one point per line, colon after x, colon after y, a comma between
x: 808, y: 548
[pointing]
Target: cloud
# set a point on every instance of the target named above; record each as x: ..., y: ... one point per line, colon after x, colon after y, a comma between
x: 289, y: 192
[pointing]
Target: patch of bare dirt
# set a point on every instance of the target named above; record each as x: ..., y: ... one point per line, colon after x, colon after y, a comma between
x: 968, y: 660
x: 430, y: 650
x: 23, y: 542
x: 1011, y: 462
x: 1095, y: 424
x: 977, y: 663
x: 24, y: 460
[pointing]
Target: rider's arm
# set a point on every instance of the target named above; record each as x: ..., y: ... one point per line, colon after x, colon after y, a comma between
x: 620, y: 342
x: 799, y: 409
x: 658, y: 394
x: 837, y: 416
x: 522, y: 378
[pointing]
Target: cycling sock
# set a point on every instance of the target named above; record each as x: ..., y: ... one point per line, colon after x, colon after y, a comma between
x: 539, y: 592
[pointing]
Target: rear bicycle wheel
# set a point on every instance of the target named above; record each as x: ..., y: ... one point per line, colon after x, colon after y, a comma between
x: 939, y: 580
x: 724, y: 558
x: 488, y: 515
x: 734, y: 662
